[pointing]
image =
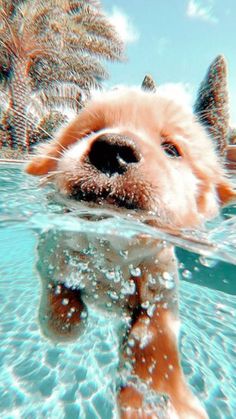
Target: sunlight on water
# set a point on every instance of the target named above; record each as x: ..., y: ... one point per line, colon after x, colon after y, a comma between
x: 78, y: 380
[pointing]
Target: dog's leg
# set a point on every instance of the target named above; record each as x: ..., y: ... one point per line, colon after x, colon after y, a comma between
x: 155, y: 360
x: 152, y: 345
x: 62, y: 313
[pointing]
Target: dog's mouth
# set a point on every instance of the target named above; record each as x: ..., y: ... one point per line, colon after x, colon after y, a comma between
x: 105, y: 198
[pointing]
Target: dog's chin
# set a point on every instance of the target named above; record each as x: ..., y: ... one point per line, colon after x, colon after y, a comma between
x: 105, y: 199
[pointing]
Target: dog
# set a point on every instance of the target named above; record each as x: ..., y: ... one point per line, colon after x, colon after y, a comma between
x: 134, y: 150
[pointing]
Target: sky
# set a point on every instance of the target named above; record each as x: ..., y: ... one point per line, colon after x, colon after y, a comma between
x: 175, y: 41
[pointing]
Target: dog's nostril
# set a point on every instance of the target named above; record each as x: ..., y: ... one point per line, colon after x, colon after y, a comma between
x: 113, y: 153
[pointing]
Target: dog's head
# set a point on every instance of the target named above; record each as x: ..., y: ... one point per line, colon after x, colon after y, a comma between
x: 138, y: 149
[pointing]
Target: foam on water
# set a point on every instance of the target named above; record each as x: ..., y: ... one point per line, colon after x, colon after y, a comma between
x: 77, y: 380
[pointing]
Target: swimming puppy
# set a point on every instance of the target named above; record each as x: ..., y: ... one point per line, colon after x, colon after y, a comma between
x: 133, y: 150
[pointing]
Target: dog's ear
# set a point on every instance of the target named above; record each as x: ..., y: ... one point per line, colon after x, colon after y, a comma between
x: 212, y: 104
x: 88, y: 121
x: 226, y: 193
x: 149, y: 84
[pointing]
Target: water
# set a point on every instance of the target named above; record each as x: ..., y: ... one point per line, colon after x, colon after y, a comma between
x: 77, y: 380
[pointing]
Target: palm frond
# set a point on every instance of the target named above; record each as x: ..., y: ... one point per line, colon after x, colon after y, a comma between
x: 61, y: 95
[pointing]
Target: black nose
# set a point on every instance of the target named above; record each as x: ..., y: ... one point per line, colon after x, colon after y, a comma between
x: 113, y: 153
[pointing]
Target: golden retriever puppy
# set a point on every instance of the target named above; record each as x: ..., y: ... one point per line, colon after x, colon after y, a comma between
x: 134, y: 150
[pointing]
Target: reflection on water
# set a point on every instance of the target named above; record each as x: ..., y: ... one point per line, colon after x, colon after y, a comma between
x: 77, y: 380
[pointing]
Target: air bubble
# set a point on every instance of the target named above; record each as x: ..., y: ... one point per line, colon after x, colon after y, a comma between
x: 128, y: 351
x: 58, y: 290
x: 124, y: 253
x: 167, y: 276
x: 128, y: 288
x: 158, y: 297
x: 131, y: 343
x: 209, y: 263
x: 65, y: 301
x: 113, y: 295
x: 187, y: 274
x: 151, y: 280
x: 145, y: 304
x: 151, y: 309
x: 135, y: 272
x: 110, y: 275
x: 167, y: 280
x: 83, y: 314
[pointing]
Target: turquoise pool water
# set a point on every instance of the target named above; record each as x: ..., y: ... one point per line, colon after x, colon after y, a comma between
x: 77, y: 380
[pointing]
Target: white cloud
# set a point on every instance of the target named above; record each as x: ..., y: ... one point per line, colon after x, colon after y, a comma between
x: 123, y: 25
x: 201, y: 9
x: 181, y: 93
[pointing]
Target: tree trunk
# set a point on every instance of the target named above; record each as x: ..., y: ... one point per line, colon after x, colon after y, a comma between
x: 19, y: 90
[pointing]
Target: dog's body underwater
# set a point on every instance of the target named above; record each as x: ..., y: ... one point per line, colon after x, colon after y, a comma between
x: 132, y: 150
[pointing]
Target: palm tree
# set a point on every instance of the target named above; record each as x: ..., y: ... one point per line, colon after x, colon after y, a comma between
x: 50, y: 53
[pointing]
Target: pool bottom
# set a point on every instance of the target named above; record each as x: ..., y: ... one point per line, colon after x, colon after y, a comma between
x: 77, y: 380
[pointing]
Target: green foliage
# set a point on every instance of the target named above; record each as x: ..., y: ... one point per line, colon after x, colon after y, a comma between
x: 50, y: 53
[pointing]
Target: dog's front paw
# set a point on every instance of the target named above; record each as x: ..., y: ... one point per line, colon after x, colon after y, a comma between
x: 131, y: 406
x: 62, y: 313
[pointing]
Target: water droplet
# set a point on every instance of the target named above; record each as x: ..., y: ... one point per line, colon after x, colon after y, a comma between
x: 135, y: 272
x: 65, y: 301
x: 167, y: 280
x: 83, y: 314
x: 151, y: 309
x: 151, y: 280
x: 83, y: 268
x: 209, y: 263
x: 158, y: 297
x: 131, y: 343
x: 145, y: 304
x: 110, y: 275
x: 124, y: 253
x: 58, y: 290
x: 113, y: 295
x: 187, y: 274
x: 128, y: 288
x: 128, y: 351
x: 167, y: 276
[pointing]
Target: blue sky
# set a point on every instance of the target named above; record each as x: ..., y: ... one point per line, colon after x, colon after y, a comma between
x: 174, y: 40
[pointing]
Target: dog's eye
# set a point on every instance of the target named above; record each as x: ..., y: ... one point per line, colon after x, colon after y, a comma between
x: 170, y: 149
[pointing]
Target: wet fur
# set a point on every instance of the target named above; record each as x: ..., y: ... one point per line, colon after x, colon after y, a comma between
x: 183, y: 192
